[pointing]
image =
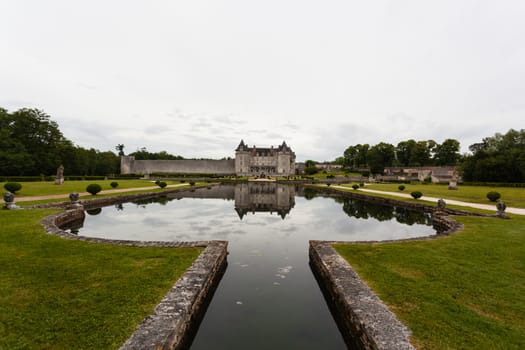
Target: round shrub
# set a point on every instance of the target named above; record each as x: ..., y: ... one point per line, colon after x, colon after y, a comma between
x: 192, y: 183
x: 93, y: 189
x: 355, y: 187
x: 161, y: 184
x: 493, y: 196
x: 401, y: 187
x: 114, y: 184
x: 416, y: 194
x: 361, y: 185
x: 13, y: 187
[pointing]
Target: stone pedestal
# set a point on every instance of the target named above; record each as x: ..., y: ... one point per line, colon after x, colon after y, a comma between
x: 9, y: 200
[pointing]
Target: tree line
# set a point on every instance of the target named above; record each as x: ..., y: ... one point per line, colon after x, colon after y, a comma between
x: 499, y: 158
x: 31, y: 144
x: 405, y: 153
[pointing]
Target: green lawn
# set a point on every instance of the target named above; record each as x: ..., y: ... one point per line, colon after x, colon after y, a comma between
x: 513, y: 197
x: 62, y: 294
x: 464, y: 291
x: 48, y: 187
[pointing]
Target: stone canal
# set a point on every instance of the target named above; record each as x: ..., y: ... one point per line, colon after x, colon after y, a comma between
x: 268, y: 297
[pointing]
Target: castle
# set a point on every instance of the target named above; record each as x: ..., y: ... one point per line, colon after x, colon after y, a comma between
x: 249, y: 161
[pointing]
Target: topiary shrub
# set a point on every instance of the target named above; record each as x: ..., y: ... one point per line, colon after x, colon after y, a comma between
x: 114, y: 184
x: 401, y: 187
x: 493, y: 196
x: 192, y: 183
x: 416, y: 194
x: 355, y: 187
x: 361, y: 184
x: 93, y: 189
x: 13, y: 187
x: 161, y: 184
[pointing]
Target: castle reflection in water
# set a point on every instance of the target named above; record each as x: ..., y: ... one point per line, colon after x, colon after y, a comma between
x: 270, y: 197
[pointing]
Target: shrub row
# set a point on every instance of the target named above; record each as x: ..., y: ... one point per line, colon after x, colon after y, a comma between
x: 495, y: 184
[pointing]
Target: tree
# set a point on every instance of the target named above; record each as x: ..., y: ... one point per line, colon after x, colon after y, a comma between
x: 356, y: 156
x: 143, y: 154
x: 500, y: 158
x: 404, y: 150
x: 310, y: 168
x: 447, y: 153
x: 420, y: 154
x: 32, y: 144
x: 380, y: 156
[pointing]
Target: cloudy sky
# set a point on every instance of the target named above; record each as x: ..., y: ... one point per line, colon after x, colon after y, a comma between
x: 195, y: 77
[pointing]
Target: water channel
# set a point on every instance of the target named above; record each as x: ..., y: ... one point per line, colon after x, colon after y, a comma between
x: 268, y: 297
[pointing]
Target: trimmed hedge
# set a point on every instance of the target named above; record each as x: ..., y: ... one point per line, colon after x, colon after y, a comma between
x: 93, y: 188
x: 13, y: 187
x: 416, y: 194
x: 493, y: 196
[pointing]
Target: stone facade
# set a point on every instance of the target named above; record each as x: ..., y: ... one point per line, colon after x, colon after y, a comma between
x: 257, y: 161
x: 437, y: 174
x: 249, y: 161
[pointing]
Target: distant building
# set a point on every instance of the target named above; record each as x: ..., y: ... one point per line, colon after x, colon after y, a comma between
x: 437, y: 174
x: 257, y: 161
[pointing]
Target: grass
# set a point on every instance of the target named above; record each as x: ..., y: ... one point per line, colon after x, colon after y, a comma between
x: 61, y: 294
x: 512, y: 196
x: 45, y: 188
x: 465, y: 291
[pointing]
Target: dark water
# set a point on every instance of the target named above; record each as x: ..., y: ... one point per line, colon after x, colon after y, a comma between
x: 268, y: 297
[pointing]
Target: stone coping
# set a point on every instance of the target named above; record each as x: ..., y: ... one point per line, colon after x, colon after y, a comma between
x: 173, y: 322
x: 363, y: 319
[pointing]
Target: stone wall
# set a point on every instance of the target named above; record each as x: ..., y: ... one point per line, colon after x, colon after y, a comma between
x: 364, y: 321
x: 128, y: 165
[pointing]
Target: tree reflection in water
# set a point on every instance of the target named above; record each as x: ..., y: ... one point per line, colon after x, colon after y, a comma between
x: 363, y: 210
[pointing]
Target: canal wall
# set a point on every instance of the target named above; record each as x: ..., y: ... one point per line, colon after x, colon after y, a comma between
x: 363, y: 319
x: 175, y: 319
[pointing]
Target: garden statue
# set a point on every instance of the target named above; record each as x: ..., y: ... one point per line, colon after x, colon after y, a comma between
x: 59, y: 180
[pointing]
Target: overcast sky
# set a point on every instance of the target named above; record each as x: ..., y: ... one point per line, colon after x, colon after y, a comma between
x: 195, y: 77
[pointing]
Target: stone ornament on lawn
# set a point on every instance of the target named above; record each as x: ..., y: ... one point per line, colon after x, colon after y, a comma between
x: 73, y: 197
x: 9, y: 200
x: 501, y: 206
x: 75, y: 203
x: 59, y: 180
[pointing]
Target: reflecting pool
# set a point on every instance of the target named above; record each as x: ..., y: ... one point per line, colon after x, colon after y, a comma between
x: 268, y: 297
